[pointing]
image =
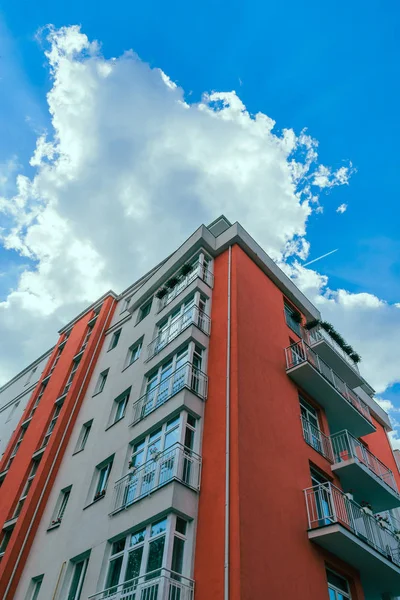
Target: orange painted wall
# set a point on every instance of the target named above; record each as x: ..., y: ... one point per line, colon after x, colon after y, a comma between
x: 15, y: 479
x: 270, y: 554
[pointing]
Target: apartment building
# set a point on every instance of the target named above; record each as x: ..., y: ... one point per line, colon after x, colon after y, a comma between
x: 203, y: 435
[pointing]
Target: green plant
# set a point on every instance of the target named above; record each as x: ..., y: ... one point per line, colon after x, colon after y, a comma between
x: 296, y: 316
x: 161, y: 293
x: 335, y: 335
x: 312, y: 324
x: 172, y: 282
x: 185, y: 270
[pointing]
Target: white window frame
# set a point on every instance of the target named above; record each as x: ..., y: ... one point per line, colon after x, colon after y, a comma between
x: 71, y: 376
x: 115, y: 337
x: 101, y: 382
x: 52, y: 424
x: 38, y: 399
x: 121, y: 400
x: 142, y: 309
x: 78, y: 592
x: 26, y: 488
x: 31, y: 374
x: 134, y: 352
x: 170, y: 533
x: 336, y: 590
x: 100, y: 487
x: 83, y: 436
x: 34, y: 588
x: 61, y: 506
x: 126, y: 303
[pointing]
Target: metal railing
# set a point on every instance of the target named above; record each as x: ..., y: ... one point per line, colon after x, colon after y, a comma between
x: 191, y: 316
x: 346, y: 446
x: 317, y: 439
x: 175, y: 463
x: 318, y: 333
x: 186, y: 376
x: 198, y: 270
x: 301, y: 352
x: 161, y: 584
x: 327, y: 505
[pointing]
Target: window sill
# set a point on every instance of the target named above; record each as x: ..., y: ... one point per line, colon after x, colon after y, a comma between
x: 55, y: 526
x: 114, y: 423
x: 96, y: 393
x: 78, y: 451
x: 130, y: 364
x: 94, y: 502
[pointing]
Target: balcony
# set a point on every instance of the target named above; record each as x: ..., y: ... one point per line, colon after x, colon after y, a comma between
x: 342, y: 527
x: 343, y: 407
x: 161, y: 584
x: 198, y: 270
x: 186, y: 376
x: 363, y: 473
x: 317, y: 439
x: 177, y: 463
x: 191, y: 316
x: 330, y: 351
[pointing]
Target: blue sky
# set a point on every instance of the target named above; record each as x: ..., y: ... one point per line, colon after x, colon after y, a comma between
x: 333, y: 69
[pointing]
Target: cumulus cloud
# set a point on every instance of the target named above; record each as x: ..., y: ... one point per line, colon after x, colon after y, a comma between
x: 129, y: 161
x: 342, y: 208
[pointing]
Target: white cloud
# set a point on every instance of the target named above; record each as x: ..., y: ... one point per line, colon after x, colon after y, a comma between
x: 130, y: 162
x: 342, y: 208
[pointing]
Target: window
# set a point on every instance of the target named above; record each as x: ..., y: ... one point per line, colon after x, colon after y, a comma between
x: 38, y: 399
x: 52, y: 424
x: 26, y: 488
x: 74, y: 369
x: 134, y: 352
x: 31, y: 374
x: 119, y: 407
x: 144, y: 310
x: 34, y: 588
x: 102, y: 476
x: 61, y: 506
x: 5, y: 538
x: 78, y: 577
x: 87, y: 337
x: 12, y: 412
x: 159, y: 455
x: 101, y: 382
x: 338, y: 586
x: 311, y: 430
x: 293, y: 318
x: 57, y: 358
x: 322, y: 497
x: 142, y: 554
x: 17, y: 445
x: 115, y: 339
x: 83, y: 436
x: 126, y: 303
x: 170, y: 378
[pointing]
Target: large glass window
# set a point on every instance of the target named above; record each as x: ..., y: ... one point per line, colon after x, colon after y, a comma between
x: 293, y: 319
x: 171, y: 377
x: 338, y: 587
x: 140, y: 557
x: 311, y: 430
x: 78, y: 577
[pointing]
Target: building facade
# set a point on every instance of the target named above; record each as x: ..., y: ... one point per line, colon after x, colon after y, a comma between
x: 203, y: 435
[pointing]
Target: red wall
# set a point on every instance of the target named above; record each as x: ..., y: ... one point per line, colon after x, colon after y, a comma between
x: 270, y: 554
x: 12, y: 563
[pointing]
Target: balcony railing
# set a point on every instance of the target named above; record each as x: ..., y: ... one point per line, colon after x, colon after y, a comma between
x: 176, y: 463
x: 186, y: 376
x: 161, y: 584
x: 198, y: 270
x: 298, y: 353
x: 318, y: 333
x: 327, y: 505
x: 191, y: 316
x: 346, y: 447
x: 317, y: 439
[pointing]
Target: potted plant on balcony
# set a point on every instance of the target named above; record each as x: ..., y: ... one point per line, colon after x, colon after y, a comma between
x: 311, y: 324
x: 296, y: 316
x: 171, y: 283
x: 185, y: 270
x: 161, y: 293
x: 366, y: 508
x: 99, y: 494
x: 56, y: 522
x: 155, y: 454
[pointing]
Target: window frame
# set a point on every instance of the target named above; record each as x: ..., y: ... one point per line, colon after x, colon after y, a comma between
x: 98, y: 488
x: 101, y: 382
x: 83, y: 436
x: 60, y: 507
x: 336, y: 590
x: 144, y: 310
x: 115, y: 337
x: 132, y: 355
x: 169, y: 534
x: 121, y: 400
x: 34, y: 587
x: 81, y: 580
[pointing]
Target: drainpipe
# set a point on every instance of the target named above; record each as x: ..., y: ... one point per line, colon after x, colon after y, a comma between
x: 22, y: 547
x: 227, y: 434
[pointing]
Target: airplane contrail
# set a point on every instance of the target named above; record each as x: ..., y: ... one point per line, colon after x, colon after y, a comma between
x: 319, y: 257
